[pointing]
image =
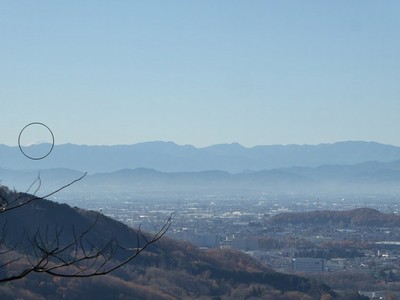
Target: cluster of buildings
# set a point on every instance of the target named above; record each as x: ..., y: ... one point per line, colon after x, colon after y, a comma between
x: 241, y: 223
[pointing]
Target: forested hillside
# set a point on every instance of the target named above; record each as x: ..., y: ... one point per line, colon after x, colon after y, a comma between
x: 167, y: 269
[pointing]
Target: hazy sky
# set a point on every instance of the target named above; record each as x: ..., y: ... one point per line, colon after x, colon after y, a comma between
x: 201, y: 72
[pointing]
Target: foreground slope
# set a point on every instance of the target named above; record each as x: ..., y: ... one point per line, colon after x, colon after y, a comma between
x: 166, y: 270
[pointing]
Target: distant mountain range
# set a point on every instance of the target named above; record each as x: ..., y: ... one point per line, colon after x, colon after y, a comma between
x: 363, y: 178
x: 170, y: 157
x: 346, y: 167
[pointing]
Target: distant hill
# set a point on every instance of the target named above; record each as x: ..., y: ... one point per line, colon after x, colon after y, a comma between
x: 358, y: 217
x: 170, y: 157
x: 167, y: 270
x: 363, y: 178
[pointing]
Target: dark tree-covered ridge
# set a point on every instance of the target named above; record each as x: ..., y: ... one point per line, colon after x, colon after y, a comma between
x: 41, y: 236
x: 358, y: 217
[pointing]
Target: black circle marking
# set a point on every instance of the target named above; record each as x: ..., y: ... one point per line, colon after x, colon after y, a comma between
x: 19, y: 141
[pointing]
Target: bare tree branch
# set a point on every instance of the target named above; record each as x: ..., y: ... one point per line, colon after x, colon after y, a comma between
x: 21, y: 199
x: 78, y: 257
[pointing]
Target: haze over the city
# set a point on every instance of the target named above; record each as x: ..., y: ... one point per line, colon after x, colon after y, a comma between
x: 201, y: 73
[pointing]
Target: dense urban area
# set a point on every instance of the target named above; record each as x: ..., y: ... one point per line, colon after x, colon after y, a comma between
x: 333, y: 251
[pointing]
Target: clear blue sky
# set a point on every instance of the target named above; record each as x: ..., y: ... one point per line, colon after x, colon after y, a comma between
x: 201, y: 72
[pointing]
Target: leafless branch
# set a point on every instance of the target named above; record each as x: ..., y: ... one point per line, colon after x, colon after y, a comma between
x: 78, y: 257
x: 22, y: 199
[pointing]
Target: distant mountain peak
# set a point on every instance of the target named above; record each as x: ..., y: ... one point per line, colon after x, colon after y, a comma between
x: 168, y: 156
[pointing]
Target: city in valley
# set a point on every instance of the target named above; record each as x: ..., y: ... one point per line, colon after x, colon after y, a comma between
x: 260, y: 225
x: 327, y: 213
